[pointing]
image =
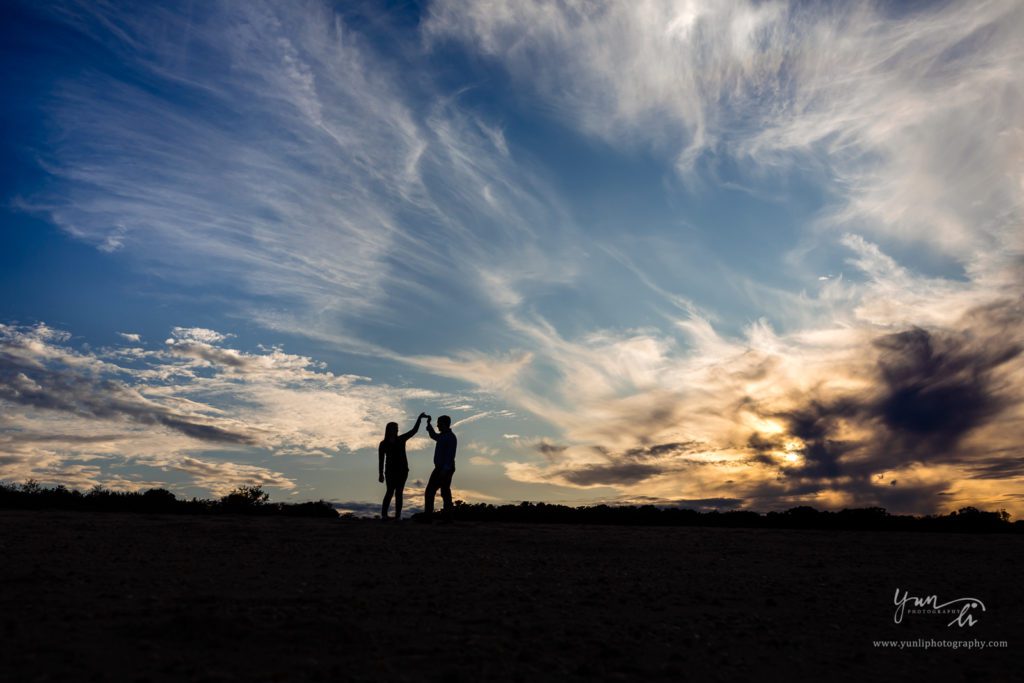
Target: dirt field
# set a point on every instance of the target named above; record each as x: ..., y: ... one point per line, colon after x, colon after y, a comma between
x: 112, y: 597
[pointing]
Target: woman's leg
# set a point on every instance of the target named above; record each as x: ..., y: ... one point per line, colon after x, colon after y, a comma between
x: 387, y: 501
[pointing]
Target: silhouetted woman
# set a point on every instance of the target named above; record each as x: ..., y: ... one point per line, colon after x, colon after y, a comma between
x: 394, y: 466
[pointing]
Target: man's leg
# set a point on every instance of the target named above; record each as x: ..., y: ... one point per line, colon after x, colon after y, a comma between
x: 446, y: 491
x: 428, y: 498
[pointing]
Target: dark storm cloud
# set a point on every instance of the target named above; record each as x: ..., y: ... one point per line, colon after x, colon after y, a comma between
x: 364, y: 509
x: 939, y: 387
x: 931, y: 389
x: 763, y: 445
x: 898, y: 498
x: 662, y: 449
x: 611, y: 474
x: 1000, y: 466
x: 63, y: 438
x: 357, y: 508
x: 707, y: 503
x: 550, y: 449
x: 816, y: 424
x: 702, y: 504
x: 633, y: 465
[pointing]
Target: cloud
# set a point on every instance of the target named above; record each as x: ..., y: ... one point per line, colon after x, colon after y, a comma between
x: 360, y: 508
x: 52, y: 378
x: 222, y: 477
x: 611, y: 474
x: 906, y: 121
x: 662, y: 449
x: 867, y: 408
x: 549, y: 449
x: 63, y: 406
x: 700, y: 504
x: 195, y: 334
x: 301, y: 72
x: 481, y: 453
x: 926, y: 395
x: 909, y: 114
x: 130, y: 336
x: 295, y: 167
x: 84, y: 454
x: 471, y: 418
x: 483, y: 370
x: 938, y: 388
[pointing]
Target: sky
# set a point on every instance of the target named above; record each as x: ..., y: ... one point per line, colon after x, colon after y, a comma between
x: 715, y: 254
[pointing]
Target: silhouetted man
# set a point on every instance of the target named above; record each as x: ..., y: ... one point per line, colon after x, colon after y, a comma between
x: 444, y: 465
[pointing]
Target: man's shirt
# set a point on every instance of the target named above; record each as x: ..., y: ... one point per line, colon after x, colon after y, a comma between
x: 444, y: 451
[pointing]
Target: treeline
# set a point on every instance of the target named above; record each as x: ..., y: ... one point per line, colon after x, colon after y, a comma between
x: 248, y: 500
x: 967, y: 519
x: 252, y: 500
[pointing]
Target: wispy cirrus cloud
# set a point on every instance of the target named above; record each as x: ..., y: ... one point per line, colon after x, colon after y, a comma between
x: 275, y: 149
x: 906, y: 114
x: 216, y: 191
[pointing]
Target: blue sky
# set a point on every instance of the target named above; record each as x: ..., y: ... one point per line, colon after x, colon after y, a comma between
x: 713, y: 254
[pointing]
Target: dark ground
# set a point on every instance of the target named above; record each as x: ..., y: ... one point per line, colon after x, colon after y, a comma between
x: 123, y: 597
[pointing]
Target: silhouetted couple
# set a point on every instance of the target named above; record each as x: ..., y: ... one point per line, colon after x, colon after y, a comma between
x: 394, y: 465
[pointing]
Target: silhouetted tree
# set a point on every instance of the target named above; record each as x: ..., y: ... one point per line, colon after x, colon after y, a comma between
x: 245, y: 498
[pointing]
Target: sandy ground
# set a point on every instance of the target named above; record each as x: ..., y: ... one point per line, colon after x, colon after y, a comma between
x: 112, y: 597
